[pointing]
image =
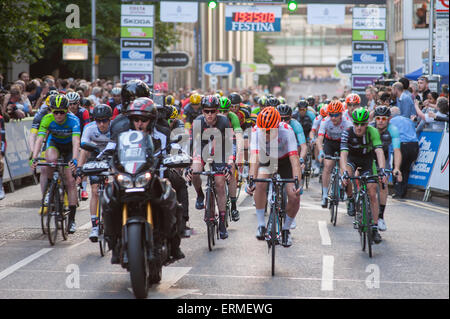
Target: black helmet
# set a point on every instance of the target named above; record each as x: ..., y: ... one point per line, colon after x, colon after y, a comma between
x: 132, y: 90
x: 272, y: 101
x: 210, y: 102
x: 284, y: 110
x: 382, y: 111
x: 235, y: 98
x: 102, y: 111
x: 311, y: 99
x: 302, y: 104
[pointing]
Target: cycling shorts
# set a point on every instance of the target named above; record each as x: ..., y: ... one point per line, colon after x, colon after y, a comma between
x: 284, y: 167
x: 366, y: 164
x: 330, y: 147
x: 64, y: 150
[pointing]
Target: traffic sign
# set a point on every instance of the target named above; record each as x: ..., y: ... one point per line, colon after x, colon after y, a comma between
x: 218, y: 68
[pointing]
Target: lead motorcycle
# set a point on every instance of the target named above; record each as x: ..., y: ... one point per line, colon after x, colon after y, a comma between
x: 147, y: 204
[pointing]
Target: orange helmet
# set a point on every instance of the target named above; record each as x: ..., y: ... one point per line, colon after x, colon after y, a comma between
x: 353, y: 98
x: 323, y: 112
x: 268, y: 118
x: 335, y: 107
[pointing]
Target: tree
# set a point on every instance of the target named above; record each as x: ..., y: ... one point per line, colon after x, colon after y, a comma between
x: 21, y: 32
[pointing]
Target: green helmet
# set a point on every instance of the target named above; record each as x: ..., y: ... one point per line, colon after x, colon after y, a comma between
x: 262, y: 101
x: 224, y: 103
x: 319, y: 107
x: 282, y: 100
x: 360, y: 115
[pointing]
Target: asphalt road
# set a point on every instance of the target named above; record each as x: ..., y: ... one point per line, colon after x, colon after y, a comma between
x: 324, y: 261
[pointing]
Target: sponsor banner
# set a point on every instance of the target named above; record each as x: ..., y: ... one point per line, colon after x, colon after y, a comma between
x: 326, y: 14
x: 368, y: 68
x: 18, y: 152
x: 137, y: 10
x: 146, y: 77
x: 345, y: 66
x: 136, y: 32
x: 136, y: 55
x: 369, y: 13
x: 253, y: 18
x: 361, y: 81
x: 369, y: 35
x: 218, y: 68
x: 442, y: 43
x: 172, y: 60
x: 439, y: 175
x: 179, y: 11
x: 136, y: 43
x: 132, y: 21
x: 369, y: 24
x: 130, y: 65
x: 368, y: 57
x: 368, y: 46
x: 421, y: 170
x: 256, y: 68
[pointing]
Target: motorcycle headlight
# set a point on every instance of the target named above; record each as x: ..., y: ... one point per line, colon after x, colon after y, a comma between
x: 143, y: 179
x: 124, y: 181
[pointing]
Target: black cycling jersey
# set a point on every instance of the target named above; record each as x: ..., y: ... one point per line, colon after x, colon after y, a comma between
x: 360, y: 146
x: 305, y: 121
x: 189, y: 114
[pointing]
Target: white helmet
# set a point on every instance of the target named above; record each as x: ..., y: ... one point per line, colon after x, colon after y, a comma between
x: 116, y: 91
x: 73, y: 97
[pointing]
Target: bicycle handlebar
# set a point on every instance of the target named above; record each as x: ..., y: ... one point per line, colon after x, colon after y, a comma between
x: 275, y: 180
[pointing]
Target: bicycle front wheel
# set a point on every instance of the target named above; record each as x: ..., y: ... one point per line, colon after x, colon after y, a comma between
x: 101, y: 235
x: 52, y: 215
x: 368, y: 219
x: 209, y: 218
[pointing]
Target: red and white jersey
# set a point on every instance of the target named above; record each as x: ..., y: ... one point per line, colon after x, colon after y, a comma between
x: 283, y: 146
x: 316, y: 124
x: 332, y: 132
x: 347, y: 116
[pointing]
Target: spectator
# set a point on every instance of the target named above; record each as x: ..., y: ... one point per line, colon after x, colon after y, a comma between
x: 423, y: 89
x: 405, y: 83
x: 404, y: 101
x: 385, y: 99
x: 24, y: 76
x: 421, y: 18
x: 371, y: 97
x: 13, y: 104
x: 430, y: 116
x: 442, y: 105
x: 96, y: 95
x: 414, y: 89
x: 2, y: 154
x: 444, y: 90
x: 409, y: 148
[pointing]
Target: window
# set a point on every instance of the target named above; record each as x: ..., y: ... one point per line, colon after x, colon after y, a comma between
x: 420, y: 14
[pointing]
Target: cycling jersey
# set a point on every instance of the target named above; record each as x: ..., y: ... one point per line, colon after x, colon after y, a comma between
x: 43, y: 111
x: 60, y: 133
x: 92, y: 134
x: 347, y: 116
x: 316, y: 123
x: 189, y: 115
x: 286, y: 145
x: 332, y: 132
x: 360, y: 146
x: 83, y: 117
x: 306, y: 123
x: 298, y: 130
x: 117, y: 111
x: 234, y: 120
x: 389, y: 136
x: 310, y: 114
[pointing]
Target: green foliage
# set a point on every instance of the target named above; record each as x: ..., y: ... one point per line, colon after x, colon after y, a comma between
x: 21, y: 32
x: 262, y: 55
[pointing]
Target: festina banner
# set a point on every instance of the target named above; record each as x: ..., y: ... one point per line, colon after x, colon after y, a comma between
x: 253, y: 18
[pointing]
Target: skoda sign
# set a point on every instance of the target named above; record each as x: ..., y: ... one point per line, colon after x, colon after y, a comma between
x: 218, y: 68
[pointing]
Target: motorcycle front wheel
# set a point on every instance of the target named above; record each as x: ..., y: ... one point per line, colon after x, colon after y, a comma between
x: 137, y: 260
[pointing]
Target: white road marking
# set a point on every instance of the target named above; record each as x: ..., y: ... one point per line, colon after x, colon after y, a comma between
x: 23, y: 262
x: 88, y: 225
x: 327, y: 273
x: 78, y: 244
x: 324, y: 235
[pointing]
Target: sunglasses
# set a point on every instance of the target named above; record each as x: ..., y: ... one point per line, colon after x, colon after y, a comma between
x: 223, y: 111
x: 381, y: 118
x: 360, y: 124
x: 59, y: 112
x: 209, y: 111
x: 140, y: 119
x: 334, y: 114
x: 76, y: 103
x: 102, y: 120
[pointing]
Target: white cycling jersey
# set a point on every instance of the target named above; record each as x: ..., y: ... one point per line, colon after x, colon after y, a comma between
x: 316, y: 124
x: 332, y: 132
x: 284, y: 146
x: 91, y: 134
x: 347, y: 116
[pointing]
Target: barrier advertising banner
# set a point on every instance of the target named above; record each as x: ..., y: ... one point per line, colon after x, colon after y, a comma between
x: 421, y: 170
x: 18, y: 151
x: 439, y: 175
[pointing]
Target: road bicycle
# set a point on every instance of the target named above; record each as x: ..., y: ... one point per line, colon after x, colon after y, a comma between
x: 277, y: 201
x: 57, y: 216
x: 335, y: 191
x: 306, y: 176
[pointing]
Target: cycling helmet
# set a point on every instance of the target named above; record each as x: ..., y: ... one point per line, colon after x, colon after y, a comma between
x: 220, y: 92
x: 102, y: 111
x: 326, y: 101
x: 73, y: 97
x: 235, y: 98
x: 47, y: 100
x: 253, y: 118
x: 59, y: 102
x: 210, y: 102
x: 282, y: 100
x: 382, y: 111
x: 302, y: 104
x: 116, y: 91
x: 342, y: 100
x: 272, y: 101
x: 311, y: 99
x: 169, y: 100
x: 132, y: 90
x: 246, y: 115
x: 284, y: 110
x: 174, y: 113
x: 53, y: 92
x: 323, y: 111
x: 353, y: 98
x: 262, y: 101
x: 360, y: 115
x: 335, y: 107
x: 268, y: 118
x: 86, y: 103
x: 195, y: 98
x: 224, y: 104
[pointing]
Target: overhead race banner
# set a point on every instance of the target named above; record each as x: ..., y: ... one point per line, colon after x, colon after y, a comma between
x: 253, y: 18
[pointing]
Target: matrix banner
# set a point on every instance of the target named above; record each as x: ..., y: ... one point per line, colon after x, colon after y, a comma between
x: 253, y: 18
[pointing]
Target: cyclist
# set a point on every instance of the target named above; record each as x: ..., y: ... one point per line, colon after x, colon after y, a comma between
x: 262, y: 103
x: 358, y: 145
x: 64, y: 139
x: 115, y: 101
x: 286, y: 117
x: 352, y: 101
x: 304, y: 116
x: 389, y: 135
x: 311, y: 102
x: 328, y: 142
x: 320, y: 118
x: 192, y: 110
x: 212, y: 121
x: 288, y: 164
x: 98, y: 133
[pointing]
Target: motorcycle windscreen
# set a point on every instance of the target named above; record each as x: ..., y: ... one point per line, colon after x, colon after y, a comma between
x: 132, y: 149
